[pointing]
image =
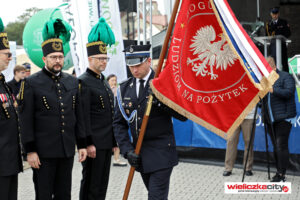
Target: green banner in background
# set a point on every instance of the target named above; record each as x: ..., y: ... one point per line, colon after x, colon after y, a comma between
x: 293, y: 63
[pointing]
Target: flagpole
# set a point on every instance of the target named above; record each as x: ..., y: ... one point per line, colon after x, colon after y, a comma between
x: 250, y: 145
x: 149, y: 104
x: 138, y: 17
x: 167, y: 38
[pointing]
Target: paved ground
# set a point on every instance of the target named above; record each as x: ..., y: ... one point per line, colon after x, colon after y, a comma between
x: 188, y: 182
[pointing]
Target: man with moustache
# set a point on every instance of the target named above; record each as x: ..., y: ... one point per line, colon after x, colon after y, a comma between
x: 98, y: 114
x: 10, y: 151
x: 52, y: 119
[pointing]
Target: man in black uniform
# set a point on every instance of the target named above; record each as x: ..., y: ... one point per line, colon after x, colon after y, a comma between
x: 278, y: 26
x: 52, y: 120
x: 10, y: 154
x: 98, y: 114
x: 158, y: 154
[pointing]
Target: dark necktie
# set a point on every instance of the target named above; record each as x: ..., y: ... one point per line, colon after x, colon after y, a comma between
x: 141, y: 88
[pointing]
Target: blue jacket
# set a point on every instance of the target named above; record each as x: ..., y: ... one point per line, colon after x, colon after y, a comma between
x: 283, y: 97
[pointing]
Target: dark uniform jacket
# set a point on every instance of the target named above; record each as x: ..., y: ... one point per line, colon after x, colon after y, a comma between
x: 279, y: 28
x: 51, y: 115
x: 14, y: 86
x: 159, y: 148
x: 98, y: 107
x: 10, y: 151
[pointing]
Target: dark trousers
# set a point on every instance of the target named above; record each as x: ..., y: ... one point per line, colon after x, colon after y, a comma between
x: 54, y: 179
x: 281, y: 136
x: 95, y: 176
x: 157, y: 183
x: 9, y: 187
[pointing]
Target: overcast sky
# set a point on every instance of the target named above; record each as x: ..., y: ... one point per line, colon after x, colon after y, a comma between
x: 11, y: 9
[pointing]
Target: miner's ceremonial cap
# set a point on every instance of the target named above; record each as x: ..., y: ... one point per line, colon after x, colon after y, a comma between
x: 56, y: 33
x: 4, y: 44
x: 99, y: 38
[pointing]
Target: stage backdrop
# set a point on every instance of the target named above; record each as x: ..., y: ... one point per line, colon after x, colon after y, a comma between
x: 190, y: 134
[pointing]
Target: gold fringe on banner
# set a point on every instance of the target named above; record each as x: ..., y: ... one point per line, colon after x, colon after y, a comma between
x: 263, y: 87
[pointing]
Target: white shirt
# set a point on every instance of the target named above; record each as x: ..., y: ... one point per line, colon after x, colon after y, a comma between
x: 275, y: 21
x: 138, y: 82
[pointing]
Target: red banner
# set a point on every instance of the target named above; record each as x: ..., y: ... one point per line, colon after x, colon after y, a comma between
x: 204, y: 78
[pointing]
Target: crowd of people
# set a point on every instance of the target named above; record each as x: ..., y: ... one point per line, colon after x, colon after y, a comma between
x: 54, y: 113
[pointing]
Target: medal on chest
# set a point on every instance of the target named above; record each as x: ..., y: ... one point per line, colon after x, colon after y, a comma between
x: 4, y: 100
x: 5, y: 104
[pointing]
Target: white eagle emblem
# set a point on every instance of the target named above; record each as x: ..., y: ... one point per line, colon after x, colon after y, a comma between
x: 213, y: 54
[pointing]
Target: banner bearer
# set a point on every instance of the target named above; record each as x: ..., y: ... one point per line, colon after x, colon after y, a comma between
x: 158, y: 154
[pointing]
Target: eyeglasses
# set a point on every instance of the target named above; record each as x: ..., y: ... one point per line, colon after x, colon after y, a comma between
x: 8, y: 54
x: 102, y: 58
x: 56, y: 57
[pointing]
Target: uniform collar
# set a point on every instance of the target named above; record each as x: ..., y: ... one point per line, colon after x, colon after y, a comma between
x: 15, y: 81
x: 146, y: 77
x: 51, y: 75
x: 97, y: 76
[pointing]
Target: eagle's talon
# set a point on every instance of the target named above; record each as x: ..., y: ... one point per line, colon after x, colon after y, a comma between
x: 201, y: 69
x: 213, y: 76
